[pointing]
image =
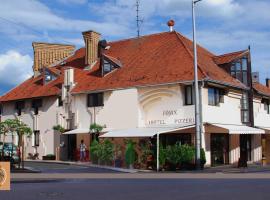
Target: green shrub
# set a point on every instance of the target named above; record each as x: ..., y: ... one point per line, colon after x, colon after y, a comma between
x: 102, y: 152
x: 130, y: 154
x: 108, y: 150
x: 162, y: 155
x: 187, y: 154
x: 203, y: 158
x: 93, y: 151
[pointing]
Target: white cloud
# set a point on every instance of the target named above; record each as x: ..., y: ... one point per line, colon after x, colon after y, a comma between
x: 14, y: 68
x: 37, y: 15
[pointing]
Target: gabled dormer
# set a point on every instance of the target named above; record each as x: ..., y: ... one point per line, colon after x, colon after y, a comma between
x: 237, y: 64
x: 50, y: 74
x: 109, y: 64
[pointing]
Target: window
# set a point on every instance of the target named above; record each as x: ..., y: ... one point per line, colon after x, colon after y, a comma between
x: 1, y: 109
x: 107, y: 67
x: 245, y: 108
x: 19, y: 105
x: 266, y: 105
x: 188, y: 95
x: 36, y: 104
x: 215, y: 96
x: 95, y: 99
x: 36, y: 138
x: 60, y: 102
x: 239, y: 70
x: 48, y: 76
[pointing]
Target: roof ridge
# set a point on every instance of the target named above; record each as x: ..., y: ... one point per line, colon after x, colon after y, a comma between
x: 135, y: 38
x: 228, y: 54
x: 192, y: 56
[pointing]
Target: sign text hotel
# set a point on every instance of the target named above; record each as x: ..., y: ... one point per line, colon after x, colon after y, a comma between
x: 171, y: 117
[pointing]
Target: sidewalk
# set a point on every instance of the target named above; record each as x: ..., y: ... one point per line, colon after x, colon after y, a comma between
x: 86, y: 164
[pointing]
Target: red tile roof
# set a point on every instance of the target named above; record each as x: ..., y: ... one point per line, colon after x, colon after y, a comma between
x: 150, y: 60
x: 262, y: 89
x: 229, y: 57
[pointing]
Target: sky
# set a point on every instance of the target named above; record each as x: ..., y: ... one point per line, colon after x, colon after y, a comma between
x: 222, y: 26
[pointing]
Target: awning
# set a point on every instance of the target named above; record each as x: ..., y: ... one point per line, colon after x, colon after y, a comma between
x: 231, y: 129
x: 143, y: 132
x: 77, y: 131
x: 267, y: 129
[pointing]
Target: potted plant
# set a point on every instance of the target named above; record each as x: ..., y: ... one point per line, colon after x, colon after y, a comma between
x: 48, y: 157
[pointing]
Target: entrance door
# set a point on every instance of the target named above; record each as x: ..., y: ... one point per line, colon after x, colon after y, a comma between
x: 219, y: 149
x: 72, y: 145
x: 245, y: 147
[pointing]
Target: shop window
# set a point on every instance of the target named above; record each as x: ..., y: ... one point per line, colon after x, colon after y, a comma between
x: 215, y: 96
x: 266, y: 105
x: 36, y: 138
x: 19, y: 106
x: 188, y: 95
x: 95, y: 100
x: 245, y: 108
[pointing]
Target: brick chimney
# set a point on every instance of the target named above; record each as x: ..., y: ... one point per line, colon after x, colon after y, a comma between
x: 91, y: 39
x: 46, y: 54
x: 268, y: 82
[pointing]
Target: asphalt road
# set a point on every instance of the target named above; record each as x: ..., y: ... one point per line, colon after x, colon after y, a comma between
x: 132, y: 189
x: 64, y: 168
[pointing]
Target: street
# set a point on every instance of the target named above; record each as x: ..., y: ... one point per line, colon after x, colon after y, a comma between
x: 123, y: 189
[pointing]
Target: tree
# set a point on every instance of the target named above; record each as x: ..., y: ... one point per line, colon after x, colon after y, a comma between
x: 7, y: 126
x: 95, y: 129
x: 22, y: 130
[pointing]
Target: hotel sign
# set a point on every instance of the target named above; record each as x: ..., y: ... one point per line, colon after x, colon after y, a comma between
x: 170, y: 117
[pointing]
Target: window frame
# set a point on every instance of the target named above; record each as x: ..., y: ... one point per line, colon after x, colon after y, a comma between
x: 36, y: 138
x: 238, y: 72
x: 19, y: 106
x: 245, y: 109
x: 218, y: 95
x: 187, y: 103
x: 97, y: 100
x: 266, y: 105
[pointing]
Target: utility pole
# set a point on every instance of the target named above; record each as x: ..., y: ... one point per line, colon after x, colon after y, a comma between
x: 197, y: 101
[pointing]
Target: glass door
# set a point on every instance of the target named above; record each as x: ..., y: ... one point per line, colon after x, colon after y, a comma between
x: 219, y: 149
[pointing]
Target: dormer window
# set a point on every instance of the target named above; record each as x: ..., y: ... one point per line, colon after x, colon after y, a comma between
x: 239, y: 70
x: 48, y: 76
x: 109, y: 64
x: 107, y: 67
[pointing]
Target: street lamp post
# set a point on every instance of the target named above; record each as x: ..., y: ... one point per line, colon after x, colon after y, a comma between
x: 197, y: 103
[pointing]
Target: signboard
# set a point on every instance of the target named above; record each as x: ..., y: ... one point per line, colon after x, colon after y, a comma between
x: 4, y: 176
x: 170, y: 117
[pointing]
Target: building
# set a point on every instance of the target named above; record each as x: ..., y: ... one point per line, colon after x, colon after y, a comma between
x: 142, y: 88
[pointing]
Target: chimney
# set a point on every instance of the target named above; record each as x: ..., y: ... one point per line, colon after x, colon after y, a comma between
x: 46, y: 54
x: 91, y: 39
x: 170, y: 23
x: 268, y: 82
